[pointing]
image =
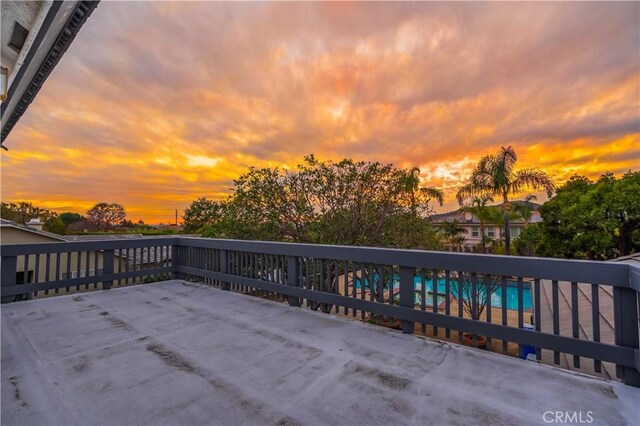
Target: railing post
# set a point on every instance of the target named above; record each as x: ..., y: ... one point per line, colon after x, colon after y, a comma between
x: 224, y: 268
x: 625, y: 317
x: 8, y: 277
x: 175, y: 275
x: 407, y: 297
x: 107, y: 268
x: 293, y: 278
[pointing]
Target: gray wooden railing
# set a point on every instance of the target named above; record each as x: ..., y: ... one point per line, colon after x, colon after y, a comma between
x: 374, y: 284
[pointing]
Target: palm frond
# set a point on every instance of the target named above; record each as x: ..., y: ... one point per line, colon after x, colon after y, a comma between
x: 534, y: 179
x: 433, y: 193
x: 476, y: 188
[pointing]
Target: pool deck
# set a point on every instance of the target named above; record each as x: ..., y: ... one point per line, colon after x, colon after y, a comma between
x: 184, y: 353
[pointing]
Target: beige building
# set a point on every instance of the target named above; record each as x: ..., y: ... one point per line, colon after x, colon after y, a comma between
x: 493, y: 231
x: 60, y: 265
x: 76, y: 264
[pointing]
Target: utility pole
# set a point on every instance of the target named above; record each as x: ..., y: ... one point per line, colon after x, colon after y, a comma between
x: 176, y: 217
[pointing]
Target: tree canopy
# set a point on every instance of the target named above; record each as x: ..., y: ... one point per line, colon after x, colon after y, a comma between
x: 202, y: 212
x: 588, y: 220
x: 346, y: 202
x: 22, y: 212
x: 105, y: 215
x: 68, y: 218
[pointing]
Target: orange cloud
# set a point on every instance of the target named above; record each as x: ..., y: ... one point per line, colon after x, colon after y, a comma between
x: 156, y: 104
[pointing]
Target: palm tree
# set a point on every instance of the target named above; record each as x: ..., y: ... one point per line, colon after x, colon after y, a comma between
x: 525, y: 210
x: 454, y: 233
x: 495, y: 176
x: 418, y: 196
x: 485, y: 214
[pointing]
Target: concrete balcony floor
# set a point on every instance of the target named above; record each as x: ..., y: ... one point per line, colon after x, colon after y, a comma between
x: 183, y: 353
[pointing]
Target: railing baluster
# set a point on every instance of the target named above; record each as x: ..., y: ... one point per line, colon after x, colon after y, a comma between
x: 423, y: 298
x: 68, y: 267
x: 346, y: 284
x: 372, y: 283
x: 380, y: 286
x: 47, y: 272
x: 520, y: 308
x: 127, y: 265
x: 391, y: 286
x: 503, y: 287
x: 488, y: 292
x: 434, y: 294
x: 26, y: 270
x: 362, y: 287
x: 37, y: 274
x: 595, y: 320
x: 58, y: 276
x: 556, y: 316
x: 474, y: 302
x: 460, y: 303
x: 78, y: 267
x: 574, y: 318
x: 354, y: 289
x: 96, y: 267
x: 537, y: 314
x: 447, y: 301
x: 87, y: 268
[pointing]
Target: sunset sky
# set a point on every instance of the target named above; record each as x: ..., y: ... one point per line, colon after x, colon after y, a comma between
x: 158, y: 103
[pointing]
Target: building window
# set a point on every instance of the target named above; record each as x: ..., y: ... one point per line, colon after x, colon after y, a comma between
x: 491, y: 232
x: 515, y: 231
x: 475, y: 232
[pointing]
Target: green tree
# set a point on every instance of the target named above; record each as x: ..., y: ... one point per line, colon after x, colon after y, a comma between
x: 55, y: 225
x: 529, y: 240
x: 22, y: 212
x: 525, y: 209
x: 495, y: 175
x: 346, y: 202
x: 202, y: 212
x: 592, y: 220
x: 69, y: 218
x: 405, y: 230
x: 454, y: 233
x: 105, y: 215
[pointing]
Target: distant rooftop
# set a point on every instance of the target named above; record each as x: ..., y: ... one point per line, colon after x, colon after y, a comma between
x: 460, y: 215
x: 183, y: 353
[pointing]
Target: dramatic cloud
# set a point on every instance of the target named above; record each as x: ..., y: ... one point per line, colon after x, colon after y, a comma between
x: 158, y: 103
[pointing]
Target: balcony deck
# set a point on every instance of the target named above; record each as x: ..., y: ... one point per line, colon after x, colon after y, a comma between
x: 183, y: 353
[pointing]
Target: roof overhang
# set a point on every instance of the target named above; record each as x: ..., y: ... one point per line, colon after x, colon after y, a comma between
x: 51, y: 34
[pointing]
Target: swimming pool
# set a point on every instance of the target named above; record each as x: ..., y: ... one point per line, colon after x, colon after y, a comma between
x: 496, y: 297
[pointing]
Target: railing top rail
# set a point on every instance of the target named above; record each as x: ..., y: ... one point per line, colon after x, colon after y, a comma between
x: 61, y: 247
x: 607, y: 273
x: 585, y: 271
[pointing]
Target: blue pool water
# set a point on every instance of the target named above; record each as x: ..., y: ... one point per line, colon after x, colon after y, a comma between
x: 496, y: 297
